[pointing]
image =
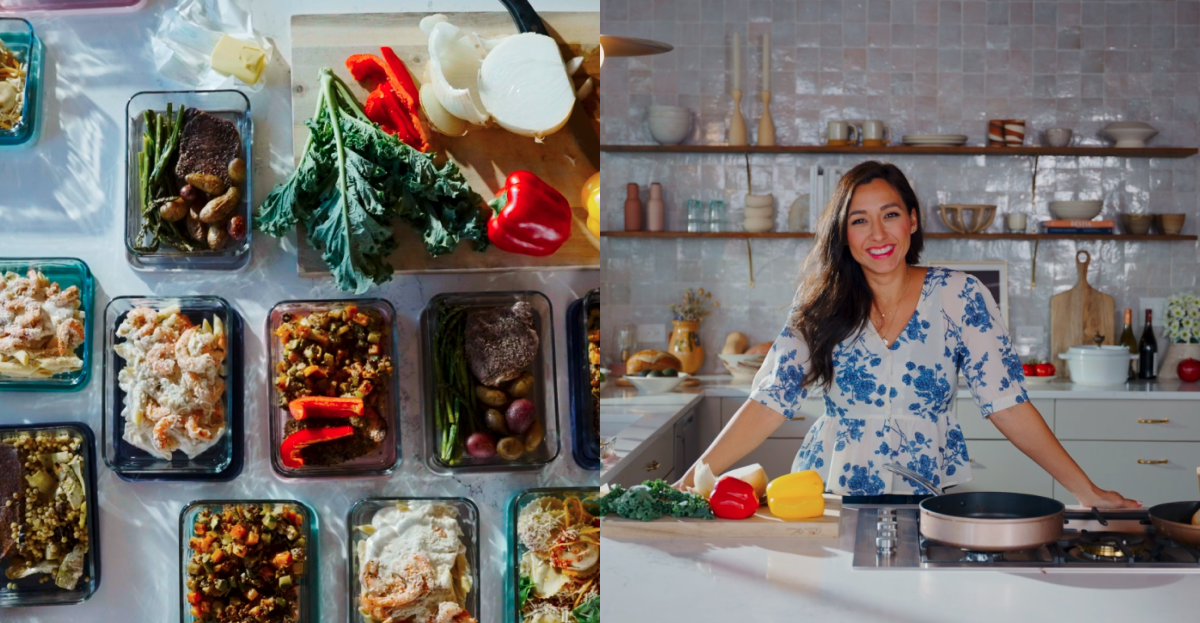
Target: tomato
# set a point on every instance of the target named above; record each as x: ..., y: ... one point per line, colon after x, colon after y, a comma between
x: 1029, y: 369
x: 1045, y: 369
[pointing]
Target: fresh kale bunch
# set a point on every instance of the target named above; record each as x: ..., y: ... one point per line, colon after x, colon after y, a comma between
x: 652, y: 500
x: 354, y: 179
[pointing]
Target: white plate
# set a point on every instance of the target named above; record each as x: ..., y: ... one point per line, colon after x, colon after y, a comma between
x: 651, y: 385
x: 1039, y: 380
x: 935, y: 136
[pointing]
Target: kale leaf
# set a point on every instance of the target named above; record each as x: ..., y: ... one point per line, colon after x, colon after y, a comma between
x: 525, y: 588
x: 652, y: 500
x: 588, y: 611
x: 354, y: 180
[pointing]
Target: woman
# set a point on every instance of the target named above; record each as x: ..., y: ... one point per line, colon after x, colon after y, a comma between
x: 885, y: 341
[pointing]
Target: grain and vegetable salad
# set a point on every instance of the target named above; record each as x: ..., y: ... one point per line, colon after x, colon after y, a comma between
x: 44, y: 512
x: 559, y: 564
x: 247, y: 563
x: 333, y: 379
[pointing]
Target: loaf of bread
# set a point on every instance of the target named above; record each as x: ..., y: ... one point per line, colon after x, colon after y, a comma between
x: 760, y: 349
x: 651, y: 360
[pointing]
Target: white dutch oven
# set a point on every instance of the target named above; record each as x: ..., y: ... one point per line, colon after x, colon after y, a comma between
x: 1098, y: 365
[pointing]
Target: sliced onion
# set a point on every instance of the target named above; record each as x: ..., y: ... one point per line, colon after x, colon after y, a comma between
x: 585, y: 89
x: 523, y: 84
x: 439, y: 119
x: 454, y: 63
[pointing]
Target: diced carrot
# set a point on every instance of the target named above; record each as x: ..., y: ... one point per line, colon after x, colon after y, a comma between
x: 194, y: 597
x: 238, y: 532
x: 200, y: 529
x: 217, y: 555
x: 281, y: 560
x: 252, y: 538
x: 349, y: 311
x: 252, y: 594
x: 313, y: 370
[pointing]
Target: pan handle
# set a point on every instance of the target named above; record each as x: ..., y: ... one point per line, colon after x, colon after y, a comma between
x: 915, y: 477
x: 1100, y: 518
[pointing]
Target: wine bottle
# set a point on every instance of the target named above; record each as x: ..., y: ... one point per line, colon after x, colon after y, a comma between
x: 1129, y: 342
x: 1147, y: 352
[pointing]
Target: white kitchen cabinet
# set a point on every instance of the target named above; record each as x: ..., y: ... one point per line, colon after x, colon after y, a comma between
x: 775, y: 456
x: 1132, y: 420
x: 997, y: 465
x: 1152, y: 472
x: 795, y: 428
x: 975, y: 426
x: 657, y: 460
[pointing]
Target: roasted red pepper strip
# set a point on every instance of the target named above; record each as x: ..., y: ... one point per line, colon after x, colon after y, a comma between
x: 325, y: 406
x: 531, y: 217
x: 297, y: 441
x: 733, y: 499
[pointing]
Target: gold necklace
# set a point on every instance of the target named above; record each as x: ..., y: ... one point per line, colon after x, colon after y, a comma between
x: 888, y: 325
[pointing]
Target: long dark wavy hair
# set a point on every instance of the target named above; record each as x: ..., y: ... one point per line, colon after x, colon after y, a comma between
x: 834, y: 299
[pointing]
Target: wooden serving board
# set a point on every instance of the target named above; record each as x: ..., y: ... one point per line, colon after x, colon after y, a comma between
x: 763, y: 525
x: 1078, y: 315
x: 486, y: 156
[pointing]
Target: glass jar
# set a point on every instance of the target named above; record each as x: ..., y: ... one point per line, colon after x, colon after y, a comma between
x: 697, y: 216
x: 716, y: 215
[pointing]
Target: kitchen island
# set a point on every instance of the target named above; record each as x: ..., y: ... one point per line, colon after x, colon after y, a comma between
x: 1142, y: 439
x: 769, y: 580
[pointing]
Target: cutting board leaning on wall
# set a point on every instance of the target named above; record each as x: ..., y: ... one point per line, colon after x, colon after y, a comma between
x: 1078, y: 315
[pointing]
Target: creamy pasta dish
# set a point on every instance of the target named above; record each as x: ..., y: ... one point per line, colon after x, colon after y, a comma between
x: 12, y: 89
x: 173, y: 381
x: 41, y: 325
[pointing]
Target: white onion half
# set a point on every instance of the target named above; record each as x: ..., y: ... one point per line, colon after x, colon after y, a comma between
x: 523, y: 84
x: 454, y: 65
x: 439, y: 118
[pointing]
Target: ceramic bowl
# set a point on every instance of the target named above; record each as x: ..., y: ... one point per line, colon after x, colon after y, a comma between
x: 756, y: 212
x: 669, y: 131
x: 1170, y: 224
x: 1076, y: 210
x: 659, y: 109
x: 967, y: 219
x: 742, y: 367
x: 651, y: 385
x: 1137, y: 224
x: 758, y: 225
x: 1130, y: 134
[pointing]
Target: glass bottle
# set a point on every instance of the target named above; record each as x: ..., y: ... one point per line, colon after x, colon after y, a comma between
x: 1128, y: 341
x: 1148, y: 352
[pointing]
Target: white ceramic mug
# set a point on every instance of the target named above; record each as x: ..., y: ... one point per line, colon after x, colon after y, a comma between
x: 1016, y: 222
x: 840, y: 133
x: 1058, y: 137
x: 874, y: 133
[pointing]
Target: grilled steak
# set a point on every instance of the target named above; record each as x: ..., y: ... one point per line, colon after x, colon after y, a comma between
x: 207, y: 145
x: 500, y: 342
x: 10, y: 483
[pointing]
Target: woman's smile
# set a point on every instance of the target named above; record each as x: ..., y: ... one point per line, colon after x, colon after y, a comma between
x: 881, y: 252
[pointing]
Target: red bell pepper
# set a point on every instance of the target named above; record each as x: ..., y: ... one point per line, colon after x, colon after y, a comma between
x: 303, y: 438
x: 325, y: 406
x: 395, y: 101
x: 733, y: 499
x: 531, y: 217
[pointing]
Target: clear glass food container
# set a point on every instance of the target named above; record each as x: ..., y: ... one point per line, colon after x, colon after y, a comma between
x: 221, y: 462
x: 18, y: 36
x: 230, y: 105
x: 71, y: 6
x: 385, y: 458
x: 364, y: 511
x: 544, y: 394
x: 30, y: 591
x: 585, y: 443
x: 309, y: 584
x: 66, y: 272
x: 512, y: 568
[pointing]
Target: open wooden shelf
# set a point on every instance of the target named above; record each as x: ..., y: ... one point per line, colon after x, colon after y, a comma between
x: 906, y: 150
x: 740, y: 235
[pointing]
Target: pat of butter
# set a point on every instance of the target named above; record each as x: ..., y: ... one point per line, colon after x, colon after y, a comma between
x: 238, y: 58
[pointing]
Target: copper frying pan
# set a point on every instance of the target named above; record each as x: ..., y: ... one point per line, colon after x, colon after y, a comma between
x: 1174, y: 520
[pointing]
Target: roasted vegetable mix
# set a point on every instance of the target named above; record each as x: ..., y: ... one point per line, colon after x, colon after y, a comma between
x: 559, y: 559
x: 333, y: 379
x: 596, y: 375
x: 44, y: 508
x: 247, y: 563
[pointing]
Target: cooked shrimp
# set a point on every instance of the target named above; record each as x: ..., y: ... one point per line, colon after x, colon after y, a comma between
x: 199, y: 352
x: 383, y: 594
x: 65, y: 298
x: 203, y: 388
x: 160, y: 359
x: 450, y: 612
x: 70, y: 335
x: 156, y: 412
x: 162, y: 433
x: 197, y: 425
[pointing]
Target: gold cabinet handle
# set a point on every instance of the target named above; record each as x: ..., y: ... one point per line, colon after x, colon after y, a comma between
x: 651, y: 466
x: 1145, y: 421
x: 798, y: 417
x: 1151, y: 462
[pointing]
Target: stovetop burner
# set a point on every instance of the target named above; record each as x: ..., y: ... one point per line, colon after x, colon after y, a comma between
x: 891, y: 538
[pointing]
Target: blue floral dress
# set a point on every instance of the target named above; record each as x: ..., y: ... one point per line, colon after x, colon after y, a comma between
x: 892, y: 404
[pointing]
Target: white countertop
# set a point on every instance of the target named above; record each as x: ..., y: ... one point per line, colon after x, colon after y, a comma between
x: 804, y: 579
x: 65, y: 197
x: 649, y: 414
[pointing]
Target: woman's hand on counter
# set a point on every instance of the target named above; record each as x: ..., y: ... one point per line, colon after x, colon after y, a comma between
x: 748, y: 429
x: 1101, y: 499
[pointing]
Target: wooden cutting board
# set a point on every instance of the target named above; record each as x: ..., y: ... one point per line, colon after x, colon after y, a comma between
x: 763, y: 525
x: 1078, y: 315
x: 565, y: 160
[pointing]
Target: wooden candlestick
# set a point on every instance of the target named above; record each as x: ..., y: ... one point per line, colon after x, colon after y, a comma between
x: 766, y: 126
x: 737, y: 124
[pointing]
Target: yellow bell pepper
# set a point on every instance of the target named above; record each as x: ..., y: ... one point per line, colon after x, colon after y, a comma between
x: 797, y: 496
x: 591, y: 200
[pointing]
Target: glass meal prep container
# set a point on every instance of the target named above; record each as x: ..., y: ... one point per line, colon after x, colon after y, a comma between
x: 66, y: 272
x: 257, y: 519
x: 31, y: 591
x: 71, y: 6
x: 231, y: 105
x: 585, y: 410
x: 361, y: 515
x: 18, y: 36
x: 544, y: 393
x: 567, y: 548
x: 385, y: 458
x: 221, y: 462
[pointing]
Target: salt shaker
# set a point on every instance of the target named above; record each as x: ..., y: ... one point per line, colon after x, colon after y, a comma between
x: 633, y: 208
x: 655, y: 210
